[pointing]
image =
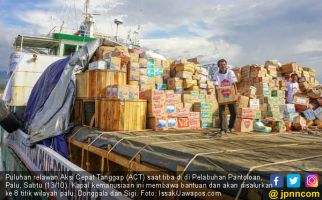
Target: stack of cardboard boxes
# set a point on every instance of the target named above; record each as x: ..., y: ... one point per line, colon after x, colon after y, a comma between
x: 268, y: 84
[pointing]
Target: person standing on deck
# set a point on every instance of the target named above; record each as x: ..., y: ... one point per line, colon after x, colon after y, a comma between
x: 292, y: 88
x: 226, y: 77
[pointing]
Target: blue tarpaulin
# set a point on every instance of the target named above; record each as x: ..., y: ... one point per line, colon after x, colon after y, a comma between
x: 38, y: 97
x: 43, y: 88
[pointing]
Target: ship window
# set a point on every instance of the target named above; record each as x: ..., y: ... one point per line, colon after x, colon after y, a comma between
x: 69, y: 49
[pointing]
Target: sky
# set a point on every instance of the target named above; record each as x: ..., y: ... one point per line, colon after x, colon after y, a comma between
x: 241, y: 31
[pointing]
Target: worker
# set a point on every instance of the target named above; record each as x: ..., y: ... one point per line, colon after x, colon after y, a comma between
x: 225, y: 77
x: 292, y: 87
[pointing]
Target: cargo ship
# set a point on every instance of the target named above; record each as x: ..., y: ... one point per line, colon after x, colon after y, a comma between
x: 111, y: 153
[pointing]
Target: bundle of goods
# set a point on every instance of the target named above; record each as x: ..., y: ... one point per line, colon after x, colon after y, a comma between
x: 173, y: 94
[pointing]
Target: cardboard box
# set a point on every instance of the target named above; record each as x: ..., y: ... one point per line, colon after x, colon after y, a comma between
x: 257, y: 114
x: 226, y: 95
x: 183, y: 122
x: 288, y: 68
x: 245, y: 113
x: 318, y: 113
x: 287, y: 108
x: 184, y: 74
x: 206, y: 116
x: 254, y: 103
x: 202, y: 107
x: 183, y: 112
x: 278, y: 93
x: 174, y: 83
x: 206, y: 124
x: 146, y: 87
x: 150, y: 72
x: 201, y: 98
x: 187, y: 98
x: 133, y: 91
x: 159, y: 86
x: 273, y: 108
x: 211, y: 98
x: 188, y: 67
x: 133, y: 72
x: 103, y: 51
x: 117, y: 92
x: 172, y: 123
x: 301, y: 103
x: 171, y: 110
x: 299, y: 123
x: 156, y: 109
x: 143, y: 62
x: 309, y: 114
x: 157, y: 123
x: 142, y: 72
x: 153, y: 95
x: 244, y: 125
x: 290, y: 116
x: 189, y: 83
x: 242, y: 101
x: 194, y: 115
x: 194, y: 123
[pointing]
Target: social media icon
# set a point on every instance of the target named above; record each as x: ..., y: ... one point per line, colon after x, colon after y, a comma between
x: 293, y: 180
x: 277, y: 180
x: 311, y: 180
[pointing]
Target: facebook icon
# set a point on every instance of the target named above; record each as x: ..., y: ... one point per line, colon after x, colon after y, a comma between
x: 277, y: 180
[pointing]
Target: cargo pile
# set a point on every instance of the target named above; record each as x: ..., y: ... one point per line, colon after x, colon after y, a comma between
x: 263, y: 90
x: 178, y: 94
x: 166, y: 94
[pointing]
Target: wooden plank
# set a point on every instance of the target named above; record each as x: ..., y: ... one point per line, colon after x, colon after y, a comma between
x: 97, y: 112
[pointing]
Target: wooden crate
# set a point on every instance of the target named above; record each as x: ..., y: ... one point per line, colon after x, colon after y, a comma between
x: 93, y: 83
x: 84, y: 112
x: 121, y: 115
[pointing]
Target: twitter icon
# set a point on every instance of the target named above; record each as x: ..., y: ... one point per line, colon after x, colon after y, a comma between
x: 293, y: 180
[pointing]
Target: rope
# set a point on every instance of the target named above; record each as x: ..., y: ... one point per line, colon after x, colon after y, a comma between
x: 236, y: 150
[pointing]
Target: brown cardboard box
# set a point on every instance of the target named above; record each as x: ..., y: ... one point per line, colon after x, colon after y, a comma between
x: 143, y: 63
x: 244, y: 125
x: 187, y: 98
x: 226, y: 94
x: 188, y: 67
x: 245, y: 113
x: 133, y: 92
x: 288, y: 68
x: 184, y: 74
x: 174, y: 83
x: 301, y: 102
x: 183, y: 122
x: 156, y: 109
x: 157, y: 123
x: 189, y: 83
x: 102, y: 51
x: 183, y: 112
x: 153, y: 95
x: 243, y: 101
x: 133, y: 71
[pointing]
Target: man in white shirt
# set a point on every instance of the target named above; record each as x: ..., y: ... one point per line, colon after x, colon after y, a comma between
x: 292, y: 88
x: 225, y: 77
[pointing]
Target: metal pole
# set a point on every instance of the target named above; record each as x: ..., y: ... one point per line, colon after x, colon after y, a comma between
x: 21, y: 43
x: 117, y: 29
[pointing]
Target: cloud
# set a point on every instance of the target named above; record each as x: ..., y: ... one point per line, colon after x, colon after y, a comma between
x: 243, y: 31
